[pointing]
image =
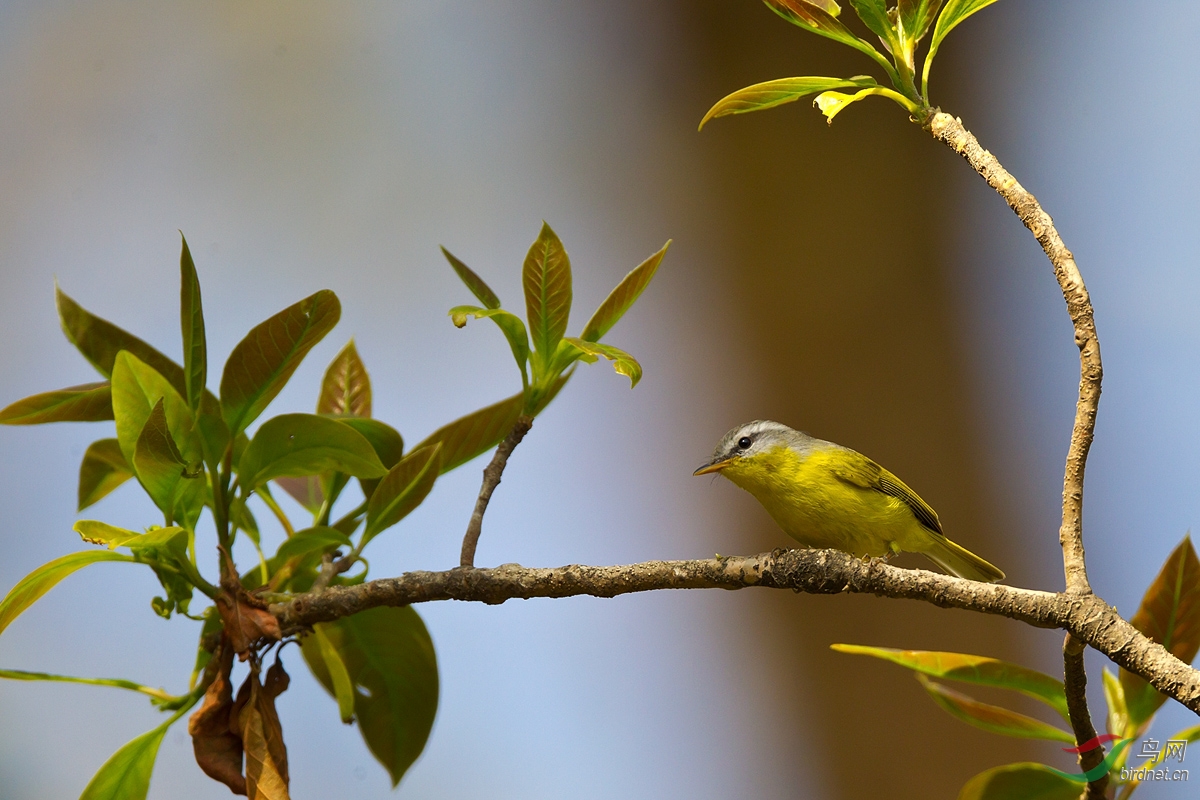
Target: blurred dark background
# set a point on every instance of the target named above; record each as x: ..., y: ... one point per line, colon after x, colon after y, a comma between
x: 854, y: 280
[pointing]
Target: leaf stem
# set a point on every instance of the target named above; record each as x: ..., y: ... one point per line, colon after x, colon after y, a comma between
x: 264, y: 494
x: 491, y: 479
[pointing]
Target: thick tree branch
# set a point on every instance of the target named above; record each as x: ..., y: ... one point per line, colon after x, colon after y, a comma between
x: 1075, y: 683
x: 491, y: 479
x: 1088, y: 618
x: 950, y: 131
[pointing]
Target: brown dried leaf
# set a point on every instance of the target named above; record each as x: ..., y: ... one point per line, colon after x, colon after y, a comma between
x: 262, y: 736
x: 218, y: 749
x: 245, y: 623
x: 347, y: 387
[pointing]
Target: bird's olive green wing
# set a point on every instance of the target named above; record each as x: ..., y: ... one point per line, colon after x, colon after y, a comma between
x: 858, y: 470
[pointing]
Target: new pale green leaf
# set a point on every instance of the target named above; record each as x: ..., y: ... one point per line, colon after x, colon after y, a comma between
x: 390, y: 660
x: 164, y: 471
x: 137, y: 387
x: 510, y: 325
x: 262, y: 363
x: 546, y: 278
x: 294, y: 445
x: 126, y: 775
x: 191, y: 320
x: 978, y: 670
x: 385, y: 439
x: 954, y: 12
x: 483, y: 293
x: 89, y: 402
x: 30, y: 588
x: 402, y: 489
x: 97, y: 532
x: 1024, y: 781
x: 339, y: 677
x: 103, y: 469
x: 992, y: 718
x: 777, y: 92
x: 623, y: 297
x: 623, y: 363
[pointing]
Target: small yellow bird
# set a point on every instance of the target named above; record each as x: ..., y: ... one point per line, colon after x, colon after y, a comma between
x: 825, y: 495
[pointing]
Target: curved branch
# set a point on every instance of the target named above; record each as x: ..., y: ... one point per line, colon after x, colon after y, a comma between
x: 1086, y: 617
x: 1075, y: 686
x: 950, y: 131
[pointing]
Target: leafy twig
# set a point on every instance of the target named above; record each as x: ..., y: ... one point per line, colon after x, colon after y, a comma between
x: 491, y: 479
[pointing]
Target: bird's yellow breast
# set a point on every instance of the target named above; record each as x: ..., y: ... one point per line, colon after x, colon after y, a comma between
x: 816, y: 508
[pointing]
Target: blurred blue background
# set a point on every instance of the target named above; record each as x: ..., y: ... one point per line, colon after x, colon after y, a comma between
x: 858, y: 281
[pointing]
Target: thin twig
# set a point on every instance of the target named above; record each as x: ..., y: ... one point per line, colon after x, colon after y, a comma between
x: 1088, y: 618
x: 950, y: 131
x: 491, y: 479
x: 1075, y: 681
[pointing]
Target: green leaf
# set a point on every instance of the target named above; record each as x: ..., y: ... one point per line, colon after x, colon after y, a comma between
x: 390, y: 659
x: 126, y: 775
x: 339, y: 677
x: 623, y: 363
x: 118, y: 683
x: 318, y: 540
x: 346, y: 388
x: 137, y: 387
x: 402, y: 489
x: 483, y: 293
x: 103, y: 469
x: 992, y: 718
x: 916, y: 16
x: 172, y: 538
x: 99, y: 341
x: 263, y: 362
x: 164, y: 472
x: 979, y: 670
x: 546, y: 277
x: 777, y: 92
x: 476, y: 433
x: 1170, y: 615
x: 30, y: 588
x: 385, y: 439
x: 510, y: 325
x: 874, y: 15
x: 622, y: 298
x: 88, y: 402
x: 1114, y: 699
x: 191, y: 319
x: 1024, y: 781
x: 293, y: 445
x: 821, y: 18
x: 954, y: 12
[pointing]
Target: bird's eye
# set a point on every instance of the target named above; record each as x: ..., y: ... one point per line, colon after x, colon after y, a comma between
x: 745, y: 442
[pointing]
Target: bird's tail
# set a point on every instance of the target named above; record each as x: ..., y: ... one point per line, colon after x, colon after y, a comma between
x: 960, y: 561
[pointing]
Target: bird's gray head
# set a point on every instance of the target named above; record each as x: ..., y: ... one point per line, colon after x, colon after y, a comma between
x: 751, y: 438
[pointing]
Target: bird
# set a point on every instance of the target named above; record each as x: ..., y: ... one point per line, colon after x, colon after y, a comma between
x: 825, y: 495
